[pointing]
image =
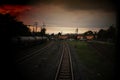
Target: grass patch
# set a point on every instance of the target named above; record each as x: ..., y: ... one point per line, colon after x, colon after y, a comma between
x: 102, y: 68
x: 86, y: 55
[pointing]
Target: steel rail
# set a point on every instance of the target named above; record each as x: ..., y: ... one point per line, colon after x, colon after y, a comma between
x: 64, y: 70
x: 35, y: 53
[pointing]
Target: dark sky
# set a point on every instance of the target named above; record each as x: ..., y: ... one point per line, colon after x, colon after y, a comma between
x: 70, y: 4
x: 63, y: 15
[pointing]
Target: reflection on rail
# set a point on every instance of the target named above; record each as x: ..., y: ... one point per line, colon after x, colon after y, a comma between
x: 64, y: 71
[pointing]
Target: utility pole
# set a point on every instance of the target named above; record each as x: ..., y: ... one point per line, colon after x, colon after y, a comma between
x: 76, y: 31
x: 43, y: 26
x: 43, y: 30
x: 36, y: 23
x: 33, y: 29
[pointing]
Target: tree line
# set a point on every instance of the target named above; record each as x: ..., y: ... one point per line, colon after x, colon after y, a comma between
x: 108, y: 35
x: 11, y: 27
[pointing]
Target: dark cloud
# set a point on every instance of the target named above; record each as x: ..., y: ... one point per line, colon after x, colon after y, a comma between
x: 24, y: 2
x: 15, y: 2
x: 107, y: 5
x: 14, y: 10
x: 69, y: 4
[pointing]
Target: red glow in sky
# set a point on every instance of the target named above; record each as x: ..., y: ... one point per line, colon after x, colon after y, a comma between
x: 61, y: 18
x: 14, y: 10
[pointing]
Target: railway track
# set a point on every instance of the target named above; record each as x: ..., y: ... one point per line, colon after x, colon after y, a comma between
x: 34, y: 52
x: 65, y: 71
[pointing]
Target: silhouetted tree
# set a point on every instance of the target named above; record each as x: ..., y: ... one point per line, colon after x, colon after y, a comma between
x: 111, y: 33
x: 52, y: 34
x: 59, y: 34
x: 102, y: 35
x: 43, y: 32
x: 10, y: 27
x: 107, y: 35
x: 88, y: 33
x: 95, y: 35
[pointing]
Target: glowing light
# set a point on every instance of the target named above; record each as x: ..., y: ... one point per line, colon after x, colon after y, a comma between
x: 13, y: 9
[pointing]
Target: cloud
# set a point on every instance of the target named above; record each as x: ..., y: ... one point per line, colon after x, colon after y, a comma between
x: 106, y: 5
x: 15, y: 2
x: 14, y: 10
x: 90, y: 5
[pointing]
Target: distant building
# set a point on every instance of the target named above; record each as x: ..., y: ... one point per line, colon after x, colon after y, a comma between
x: 80, y: 36
x: 90, y: 37
x: 87, y: 37
x: 63, y: 37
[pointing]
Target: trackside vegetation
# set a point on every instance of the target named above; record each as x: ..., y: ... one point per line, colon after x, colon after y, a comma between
x: 98, y: 66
